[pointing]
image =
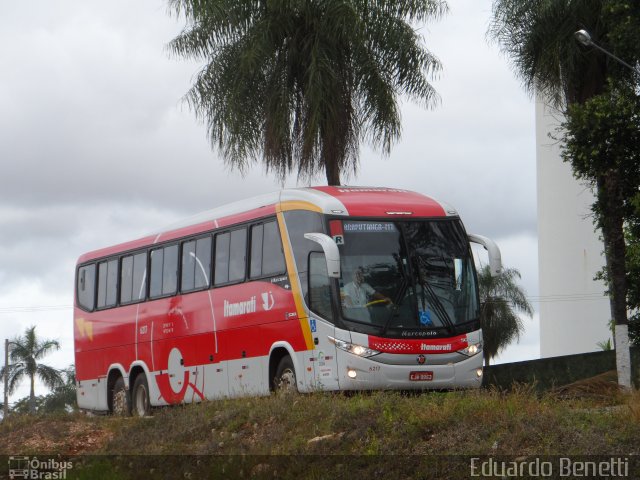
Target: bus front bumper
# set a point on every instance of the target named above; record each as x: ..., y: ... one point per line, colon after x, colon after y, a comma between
x: 357, y: 373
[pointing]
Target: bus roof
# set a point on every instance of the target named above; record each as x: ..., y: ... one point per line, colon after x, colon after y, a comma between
x: 374, y: 202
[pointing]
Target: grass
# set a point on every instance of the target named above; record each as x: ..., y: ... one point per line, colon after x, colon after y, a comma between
x: 336, y: 431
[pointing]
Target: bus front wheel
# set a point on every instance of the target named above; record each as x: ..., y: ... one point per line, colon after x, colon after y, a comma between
x: 140, y: 396
x: 285, y: 379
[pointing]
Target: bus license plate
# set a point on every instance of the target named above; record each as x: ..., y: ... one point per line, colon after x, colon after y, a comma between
x: 421, y: 376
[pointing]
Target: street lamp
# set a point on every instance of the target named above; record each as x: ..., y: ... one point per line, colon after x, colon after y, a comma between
x: 584, y: 38
x: 5, y: 406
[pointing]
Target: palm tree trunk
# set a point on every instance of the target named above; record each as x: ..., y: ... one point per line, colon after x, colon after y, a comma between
x: 611, y: 203
x: 333, y: 174
x: 32, y: 396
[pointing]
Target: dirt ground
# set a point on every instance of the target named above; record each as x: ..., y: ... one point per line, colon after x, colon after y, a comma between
x: 59, y: 436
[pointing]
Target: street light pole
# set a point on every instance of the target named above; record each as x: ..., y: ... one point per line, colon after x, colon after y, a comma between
x: 584, y: 38
x: 5, y: 406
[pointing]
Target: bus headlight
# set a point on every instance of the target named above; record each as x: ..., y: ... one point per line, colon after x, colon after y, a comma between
x: 472, y: 349
x: 353, y: 348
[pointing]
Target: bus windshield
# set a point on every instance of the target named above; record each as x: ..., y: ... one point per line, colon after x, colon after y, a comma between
x: 407, y: 275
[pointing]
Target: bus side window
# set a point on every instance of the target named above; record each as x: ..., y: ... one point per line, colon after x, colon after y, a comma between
x: 231, y: 256
x: 170, y: 270
x: 187, y: 281
x: 132, y: 278
x: 196, y: 264
x: 107, y: 283
x: 272, y: 256
x: 267, y: 258
x: 157, y: 259
x: 126, y: 279
x: 164, y: 271
x: 87, y: 286
x: 139, y: 276
x: 237, y: 255
x: 222, y: 258
x: 257, y: 236
x: 319, y: 286
x: 298, y: 223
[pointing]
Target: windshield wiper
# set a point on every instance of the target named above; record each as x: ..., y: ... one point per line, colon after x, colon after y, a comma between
x: 433, y: 297
x: 396, y: 300
x: 405, y: 281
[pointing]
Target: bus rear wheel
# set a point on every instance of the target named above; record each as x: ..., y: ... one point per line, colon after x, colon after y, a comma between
x: 140, y: 397
x: 120, y: 405
x: 285, y: 378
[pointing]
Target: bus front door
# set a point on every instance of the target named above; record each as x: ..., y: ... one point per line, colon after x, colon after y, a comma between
x: 325, y: 366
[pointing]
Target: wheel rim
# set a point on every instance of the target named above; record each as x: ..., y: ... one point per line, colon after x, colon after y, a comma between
x: 287, y: 380
x: 119, y: 402
x: 141, y: 401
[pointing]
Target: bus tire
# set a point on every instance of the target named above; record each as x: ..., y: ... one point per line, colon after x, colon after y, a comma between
x: 140, y: 405
x: 285, y: 378
x: 120, y: 402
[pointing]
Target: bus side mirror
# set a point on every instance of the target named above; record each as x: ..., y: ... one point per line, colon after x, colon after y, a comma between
x: 331, y: 252
x: 495, y: 259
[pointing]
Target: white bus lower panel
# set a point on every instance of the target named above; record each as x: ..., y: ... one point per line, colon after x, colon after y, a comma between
x: 92, y: 394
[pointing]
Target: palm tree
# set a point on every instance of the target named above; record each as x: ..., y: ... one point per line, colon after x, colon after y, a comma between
x: 300, y: 83
x: 538, y: 36
x: 63, y: 397
x: 501, y: 299
x: 25, y: 355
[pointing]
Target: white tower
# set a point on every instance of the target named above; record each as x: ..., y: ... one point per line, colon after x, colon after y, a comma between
x: 574, y: 311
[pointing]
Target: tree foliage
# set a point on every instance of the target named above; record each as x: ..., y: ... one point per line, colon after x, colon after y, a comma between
x: 300, y: 83
x: 63, y: 397
x: 502, y: 300
x: 25, y: 355
x: 538, y: 36
x: 602, y: 141
x: 632, y: 236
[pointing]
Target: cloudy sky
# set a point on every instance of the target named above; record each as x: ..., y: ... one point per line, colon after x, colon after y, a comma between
x: 96, y: 147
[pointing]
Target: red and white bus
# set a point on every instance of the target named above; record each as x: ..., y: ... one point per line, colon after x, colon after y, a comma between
x: 325, y: 288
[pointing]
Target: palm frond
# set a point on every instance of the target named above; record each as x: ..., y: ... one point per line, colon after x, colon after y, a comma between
x: 537, y: 37
x: 502, y: 298
x: 298, y: 85
x: 15, y: 379
x: 50, y: 376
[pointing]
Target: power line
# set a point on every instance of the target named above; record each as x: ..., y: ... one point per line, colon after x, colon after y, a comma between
x: 571, y: 297
x: 33, y: 308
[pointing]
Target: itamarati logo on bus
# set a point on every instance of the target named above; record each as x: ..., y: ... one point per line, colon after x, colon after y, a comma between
x: 239, y: 308
x: 435, y: 348
x: 249, y: 306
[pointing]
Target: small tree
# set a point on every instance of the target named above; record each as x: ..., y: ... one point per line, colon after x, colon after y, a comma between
x: 28, y: 406
x: 25, y: 356
x: 502, y: 299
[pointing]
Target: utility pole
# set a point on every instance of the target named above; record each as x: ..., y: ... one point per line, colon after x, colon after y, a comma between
x: 5, y: 406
